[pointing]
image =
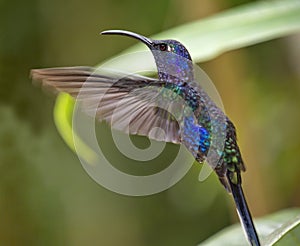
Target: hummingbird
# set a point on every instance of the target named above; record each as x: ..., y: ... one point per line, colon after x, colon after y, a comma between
x: 174, y: 102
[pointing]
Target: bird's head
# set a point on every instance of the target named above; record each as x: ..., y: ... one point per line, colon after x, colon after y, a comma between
x: 173, y: 61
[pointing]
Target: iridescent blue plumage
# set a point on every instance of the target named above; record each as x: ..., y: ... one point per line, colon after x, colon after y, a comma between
x: 195, y: 137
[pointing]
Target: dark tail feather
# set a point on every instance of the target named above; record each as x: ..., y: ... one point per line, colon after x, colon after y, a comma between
x: 243, y: 211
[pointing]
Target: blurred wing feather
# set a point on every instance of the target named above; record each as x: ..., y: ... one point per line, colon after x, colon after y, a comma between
x: 128, y: 103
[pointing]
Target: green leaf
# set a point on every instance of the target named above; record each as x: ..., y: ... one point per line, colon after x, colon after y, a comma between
x: 62, y: 114
x: 288, y: 233
x: 63, y: 111
x: 229, y: 30
x: 205, y: 39
x: 280, y: 229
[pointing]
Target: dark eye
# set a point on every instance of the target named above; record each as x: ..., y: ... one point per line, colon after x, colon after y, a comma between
x: 163, y: 47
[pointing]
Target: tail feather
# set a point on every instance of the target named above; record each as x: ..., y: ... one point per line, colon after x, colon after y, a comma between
x: 243, y: 211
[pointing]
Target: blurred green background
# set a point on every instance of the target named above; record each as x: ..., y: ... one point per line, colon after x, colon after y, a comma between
x: 46, y: 198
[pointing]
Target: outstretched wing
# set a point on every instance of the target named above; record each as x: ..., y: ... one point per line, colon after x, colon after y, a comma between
x: 131, y: 103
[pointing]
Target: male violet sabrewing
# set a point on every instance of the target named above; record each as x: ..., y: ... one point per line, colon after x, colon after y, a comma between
x: 178, y: 105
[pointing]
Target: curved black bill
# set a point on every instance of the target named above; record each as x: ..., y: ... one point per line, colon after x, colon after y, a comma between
x: 145, y: 40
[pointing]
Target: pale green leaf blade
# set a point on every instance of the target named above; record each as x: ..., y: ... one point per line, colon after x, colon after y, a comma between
x: 280, y: 229
x: 229, y: 30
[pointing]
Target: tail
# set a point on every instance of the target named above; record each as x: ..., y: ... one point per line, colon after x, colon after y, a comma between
x: 243, y: 210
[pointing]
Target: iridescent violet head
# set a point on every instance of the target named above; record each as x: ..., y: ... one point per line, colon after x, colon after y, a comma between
x: 173, y: 61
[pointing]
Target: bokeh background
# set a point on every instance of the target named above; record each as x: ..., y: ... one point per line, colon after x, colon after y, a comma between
x: 46, y: 198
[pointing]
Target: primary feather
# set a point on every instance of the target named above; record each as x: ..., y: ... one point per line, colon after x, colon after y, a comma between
x: 118, y: 100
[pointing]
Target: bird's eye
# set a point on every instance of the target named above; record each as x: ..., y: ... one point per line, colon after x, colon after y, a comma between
x: 163, y: 47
